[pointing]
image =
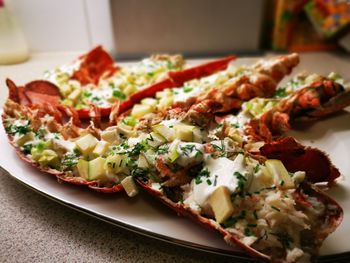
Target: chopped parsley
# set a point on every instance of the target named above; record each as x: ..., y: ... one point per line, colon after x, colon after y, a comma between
x: 281, y: 93
x: 187, y: 89
x: 235, y: 125
x: 27, y: 148
x: 204, y: 173
x: 20, y: 129
x: 70, y: 160
x: 136, y: 150
x: 256, y: 168
x: 248, y: 231
x: 119, y: 94
x: 40, y: 133
x: 241, y: 184
x: 255, y: 214
x: 170, y: 65
x: 140, y: 173
x: 233, y: 220
x: 163, y: 149
x: 275, y: 208
x: 87, y: 94
x: 187, y: 149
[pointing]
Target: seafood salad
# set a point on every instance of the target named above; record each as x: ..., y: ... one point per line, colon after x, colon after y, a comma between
x: 207, y: 141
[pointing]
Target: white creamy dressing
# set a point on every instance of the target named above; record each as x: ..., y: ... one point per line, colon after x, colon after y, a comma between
x: 19, y: 122
x: 221, y: 173
x: 170, y: 123
x: 181, y: 96
x: 190, y: 153
x: 199, y: 86
x: 53, y: 75
x: 104, y: 93
x: 135, y: 140
x: 238, y: 120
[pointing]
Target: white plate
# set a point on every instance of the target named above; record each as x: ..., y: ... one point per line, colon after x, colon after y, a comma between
x: 146, y: 216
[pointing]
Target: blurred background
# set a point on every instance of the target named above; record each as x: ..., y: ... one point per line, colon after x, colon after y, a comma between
x: 133, y: 28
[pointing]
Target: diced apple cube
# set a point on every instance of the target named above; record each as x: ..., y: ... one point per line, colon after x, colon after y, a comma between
x: 83, y: 168
x: 115, y: 163
x: 49, y: 157
x: 86, y: 143
x: 149, y: 101
x: 101, y: 148
x: 221, y: 204
x: 96, y: 169
x: 167, y: 132
x: 165, y: 102
x: 74, y: 95
x: 262, y: 179
x: 282, y: 179
x: 142, y: 162
x: 110, y: 136
x: 24, y: 138
x: 184, y: 132
x: 155, y: 139
x: 129, y: 186
x: 139, y: 110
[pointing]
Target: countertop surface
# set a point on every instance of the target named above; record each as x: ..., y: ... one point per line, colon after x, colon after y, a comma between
x: 34, y: 228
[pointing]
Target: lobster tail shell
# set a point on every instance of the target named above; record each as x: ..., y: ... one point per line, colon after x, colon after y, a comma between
x: 332, y: 218
x: 297, y: 157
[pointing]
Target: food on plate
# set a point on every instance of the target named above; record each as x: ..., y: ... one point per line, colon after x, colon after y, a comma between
x: 223, y: 91
x: 207, y: 141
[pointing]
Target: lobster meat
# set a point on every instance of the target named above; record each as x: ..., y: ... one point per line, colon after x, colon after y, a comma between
x: 49, y: 117
x: 320, y: 99
x: 259, y: 81
x: 175, y: 197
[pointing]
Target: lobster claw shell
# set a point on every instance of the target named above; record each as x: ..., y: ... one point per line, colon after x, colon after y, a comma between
x: 297, y: 157
x: 34, y: 92
x: 94, y: 65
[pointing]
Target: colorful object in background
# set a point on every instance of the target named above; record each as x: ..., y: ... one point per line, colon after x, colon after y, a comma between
x: 313, y: 25
x: 285, y: 18
x: 329, y: 17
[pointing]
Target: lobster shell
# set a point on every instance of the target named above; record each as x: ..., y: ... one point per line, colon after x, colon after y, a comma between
x: 333, y: 218
x: 61, y: 176
x: 297, y: 157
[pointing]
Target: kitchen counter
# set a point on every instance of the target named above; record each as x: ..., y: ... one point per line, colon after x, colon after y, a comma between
x: 34, y: 228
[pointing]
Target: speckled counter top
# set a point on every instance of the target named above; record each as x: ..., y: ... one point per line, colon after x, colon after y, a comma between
x: 34, y: 228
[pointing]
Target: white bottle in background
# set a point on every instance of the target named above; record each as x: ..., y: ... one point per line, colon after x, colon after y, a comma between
x: 13, y: 47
